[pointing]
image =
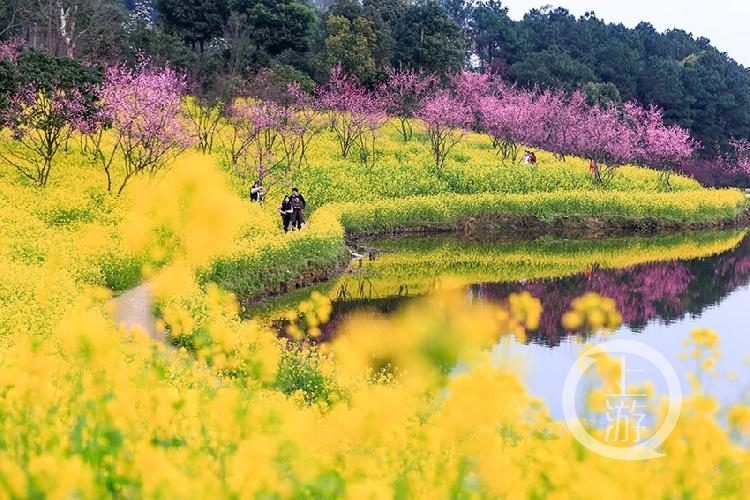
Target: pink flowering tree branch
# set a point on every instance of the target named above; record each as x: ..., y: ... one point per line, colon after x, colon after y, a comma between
x: 562, y: 118
x: 142, y: 109
x: 354, y: 113
x: 656, y: 144
x: 470, y: 88
x: 240, y: 132
x: 509, y: 119
x: 730, y: 169
x: 279, y: 120
x: 446, y: 119
x: 741, y: 158
x: 204, y: 119
x: 303, y: 123
x: 267, y: 142
x: 403, y: 94
x: 267, y: 152
x: 252, y: 136
x: 41, y: 122
x: 606, y: 139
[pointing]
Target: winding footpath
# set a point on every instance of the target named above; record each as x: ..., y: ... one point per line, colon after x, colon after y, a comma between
x: 133, y: 309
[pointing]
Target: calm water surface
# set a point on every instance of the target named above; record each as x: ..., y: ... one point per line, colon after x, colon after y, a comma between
x: 661, y: 302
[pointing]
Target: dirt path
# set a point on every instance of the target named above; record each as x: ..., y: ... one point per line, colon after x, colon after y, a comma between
x: 133, y: 308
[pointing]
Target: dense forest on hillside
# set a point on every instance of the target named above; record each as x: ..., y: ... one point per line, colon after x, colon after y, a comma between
x: 228, y: 41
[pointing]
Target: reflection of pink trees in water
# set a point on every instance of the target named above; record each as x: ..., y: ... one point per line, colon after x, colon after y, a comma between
x: 664, y: 290
x: 737, y: 267
x: 638, y: 292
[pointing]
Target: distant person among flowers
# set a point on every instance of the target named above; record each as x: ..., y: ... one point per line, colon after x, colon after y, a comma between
x: 298, y: 209
x: 532, y: 158
x: 256, y: 192
x: 285, y: 210
x: 526, y: 157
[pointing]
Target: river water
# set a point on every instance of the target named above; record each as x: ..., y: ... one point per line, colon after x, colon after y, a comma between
x: 661, y: 303
x: 661, y: 296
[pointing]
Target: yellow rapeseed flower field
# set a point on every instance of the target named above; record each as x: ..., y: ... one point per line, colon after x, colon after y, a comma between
x: 91, y: 409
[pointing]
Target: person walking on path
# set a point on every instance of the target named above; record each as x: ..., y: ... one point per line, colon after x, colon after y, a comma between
x: 285, y: 210
x: 298, y: 209
x: 256, y: 192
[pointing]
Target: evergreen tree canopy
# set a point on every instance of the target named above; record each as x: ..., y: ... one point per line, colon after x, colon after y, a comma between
x: 427, y: 38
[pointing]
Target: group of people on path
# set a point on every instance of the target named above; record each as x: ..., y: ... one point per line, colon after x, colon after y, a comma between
x: 291, y: 209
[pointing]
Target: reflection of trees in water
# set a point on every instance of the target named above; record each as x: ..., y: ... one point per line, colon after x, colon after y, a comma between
x: 343, y: 309
x: 357, y: 296
x: 667, y: 291
x: 664, y: 290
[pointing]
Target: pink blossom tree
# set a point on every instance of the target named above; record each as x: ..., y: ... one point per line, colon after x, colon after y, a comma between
x: 606, y: 140
x: 656, y: 144
x: 470, y: 88
x: 741, y: 156
x: 404, y: 91
x: 562, y: 120
x: 509, y: 119
x: 300, y: 119
x: 41, y: 119
x: 607, y: 135
x: 266, y: 151
x: 253, y: 139
x: 354, y: 113
x: 729, y: 169
x: 268, y: 141
x: 143, y: 110
x: 446, y: 118
x: 204, y: 118
x: 41, y: 122
x: 716, y: 172
x: 303, y: 123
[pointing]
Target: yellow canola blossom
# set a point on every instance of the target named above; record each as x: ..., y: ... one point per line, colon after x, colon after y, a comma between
x: 592, y: 313
x: 90, y: 410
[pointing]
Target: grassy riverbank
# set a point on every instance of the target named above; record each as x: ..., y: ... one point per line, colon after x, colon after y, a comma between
x: 319, y: 250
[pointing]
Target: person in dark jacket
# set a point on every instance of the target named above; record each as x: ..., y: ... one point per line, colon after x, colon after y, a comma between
x: 285, y: 210
x: 298, y: 209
